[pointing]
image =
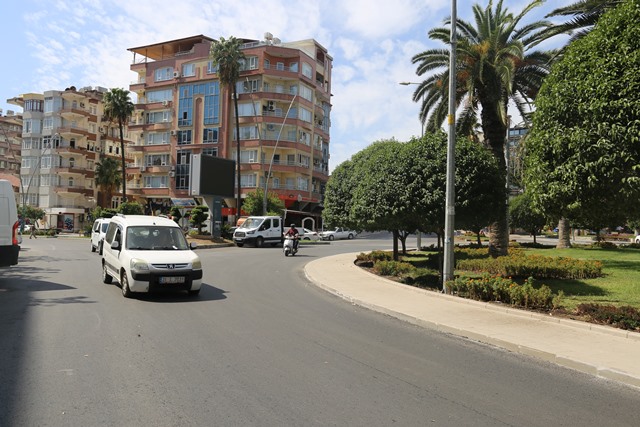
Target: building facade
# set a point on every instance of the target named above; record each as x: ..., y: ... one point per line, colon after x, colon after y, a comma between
x: 63, y: 136
x: 182, y: 109
x: 10, y: 142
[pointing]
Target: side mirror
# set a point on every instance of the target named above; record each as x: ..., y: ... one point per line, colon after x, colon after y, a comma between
x: 193, y: 245
x: 115, y: 245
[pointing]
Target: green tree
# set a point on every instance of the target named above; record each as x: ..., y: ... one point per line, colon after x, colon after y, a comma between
x: 583, y: 151
x: 228, y: 59
x: 131, y: 208
x: 197, y: 216
x: 108, y: 178
x: 494, y: 65
x: 32, y: 213
x: 118, y: 108
x: 252, y: 204
x: 523, y: 215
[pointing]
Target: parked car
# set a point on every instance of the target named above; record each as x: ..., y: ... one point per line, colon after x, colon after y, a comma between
x: 309, y: 235
x: 98, y: 231
x: 637, y: 239
x: 147, y: 253
x: 338, y: 233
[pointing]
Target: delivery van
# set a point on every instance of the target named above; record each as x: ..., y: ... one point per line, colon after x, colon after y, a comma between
x: 259, y: 230
x: 9, y: 237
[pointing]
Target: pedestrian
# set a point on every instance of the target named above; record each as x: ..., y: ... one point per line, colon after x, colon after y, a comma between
x: 33, y: 231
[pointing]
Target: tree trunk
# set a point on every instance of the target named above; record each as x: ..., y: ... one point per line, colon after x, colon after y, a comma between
x: 395, y: 245
x: 564, y: 234
x: 124, y: 166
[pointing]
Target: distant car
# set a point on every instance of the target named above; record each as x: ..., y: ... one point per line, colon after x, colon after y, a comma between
x: 98, y: 231
x: 309, y: 235
x: 338, y: 233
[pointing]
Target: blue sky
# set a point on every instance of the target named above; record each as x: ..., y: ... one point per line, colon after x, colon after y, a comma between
x: 54, y: 44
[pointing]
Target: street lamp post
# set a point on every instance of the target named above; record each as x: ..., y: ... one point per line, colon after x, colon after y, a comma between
x: 447, y: 270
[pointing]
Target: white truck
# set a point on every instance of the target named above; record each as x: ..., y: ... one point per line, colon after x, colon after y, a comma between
x: 338, y: 233
x: 9, y: 237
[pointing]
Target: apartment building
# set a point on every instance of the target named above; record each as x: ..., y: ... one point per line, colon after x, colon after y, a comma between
x: 10, y: 134
x: 62, y: 138
x: 182, y: 109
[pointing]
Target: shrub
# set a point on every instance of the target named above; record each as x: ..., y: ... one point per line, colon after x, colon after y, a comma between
x: 625, y: 317
x: 374, y: 256
x: 392, y: 268
x: 423, y: 278
x: 519, y: 264
x: 496, y: 288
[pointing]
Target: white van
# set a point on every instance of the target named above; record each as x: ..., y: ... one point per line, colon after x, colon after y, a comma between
x: 258, y: 230
x: 9, y: 238
x: 147, y: 253
x: 98, y: 231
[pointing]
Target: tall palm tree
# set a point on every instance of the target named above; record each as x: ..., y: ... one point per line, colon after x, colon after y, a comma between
x: 108, y: 178
x: 493, y: 67
x: 228, y: 58
x: 118, y: 108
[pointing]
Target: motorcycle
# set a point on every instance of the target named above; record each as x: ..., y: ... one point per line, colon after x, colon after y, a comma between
x: 289, y: 246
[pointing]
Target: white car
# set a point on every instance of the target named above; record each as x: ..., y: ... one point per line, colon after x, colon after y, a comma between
x: 338, y: 233
x: 309, y: 235
x: 98, y: 231
x: 147, y: 253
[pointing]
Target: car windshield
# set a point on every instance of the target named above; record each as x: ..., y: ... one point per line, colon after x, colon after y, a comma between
x: 251, y: 223
x: 155, y: 238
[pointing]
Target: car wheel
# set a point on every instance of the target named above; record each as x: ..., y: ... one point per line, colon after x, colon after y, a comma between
x: 638, y: 240
x: 331, y: 237
x: 306, y: 238
x: 239, y: 245
x: 350, y: 236
x: 106, y: 277
x: 124, y: 283
x: 100, y: 247
x: 259, y: 242
x: 93, y: 248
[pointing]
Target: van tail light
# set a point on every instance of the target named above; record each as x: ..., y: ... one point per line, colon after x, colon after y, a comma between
x: 15, y: 233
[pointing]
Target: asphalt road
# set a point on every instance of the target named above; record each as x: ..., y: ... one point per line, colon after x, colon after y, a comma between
x: 260, y: 346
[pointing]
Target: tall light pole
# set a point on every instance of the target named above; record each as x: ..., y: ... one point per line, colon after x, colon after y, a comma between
x: 421, y: 98
x: 447, y: 270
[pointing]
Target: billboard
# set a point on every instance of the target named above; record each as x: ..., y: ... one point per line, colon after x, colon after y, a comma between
x: 212, y: 176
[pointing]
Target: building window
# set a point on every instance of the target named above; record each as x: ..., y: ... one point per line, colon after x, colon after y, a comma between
x: 159, y: 95
x: 213, y: 152
x: 307, y: 70
x: 156, y: 160
x: 210, y: 136
x: 183, y: 160
x: 163, y: 74
x: 249, y: 63
x: 293, y: 67
x: 189, y: 70
x: 248, y: 180
x: 211, y: 68
x: 249, y: 156
x: 184, y: 137
x: 157, y: 138
x: 156, y: 181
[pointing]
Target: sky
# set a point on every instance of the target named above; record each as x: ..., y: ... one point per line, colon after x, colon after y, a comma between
x: 55, y: 44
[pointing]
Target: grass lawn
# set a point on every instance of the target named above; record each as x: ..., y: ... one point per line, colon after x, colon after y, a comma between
x: 619, y: 286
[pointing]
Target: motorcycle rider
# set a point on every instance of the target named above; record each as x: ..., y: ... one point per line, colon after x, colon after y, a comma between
x: 293, y: 232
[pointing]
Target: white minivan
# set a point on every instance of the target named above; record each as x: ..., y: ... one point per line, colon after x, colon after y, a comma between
x: 259, y: 230
x: 147, y: 253
x: 9, y: 224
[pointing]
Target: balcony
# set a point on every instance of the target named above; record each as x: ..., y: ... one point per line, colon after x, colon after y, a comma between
x: 68, y: 132
x: 74, y: 113
x: 67, y: 190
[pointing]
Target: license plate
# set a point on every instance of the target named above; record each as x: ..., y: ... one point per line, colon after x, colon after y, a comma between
x: 171, y: 280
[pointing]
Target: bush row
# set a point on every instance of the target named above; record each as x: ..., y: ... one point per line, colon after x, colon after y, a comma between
x: 519, y: 264
x: 500, y: 289
x: 625, y: 317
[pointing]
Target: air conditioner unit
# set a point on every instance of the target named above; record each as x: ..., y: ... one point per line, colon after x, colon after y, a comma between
x: 173, y: 168
x: 173, y: 133
x: 165, y: 103
x: 271, y: 127
x: 176, y: 74
x: 143, y: 168
x: 82, y: 105
x: 172, y: 174
x: 101, y: 129
x: 165, y: 119
x: 271, y: 105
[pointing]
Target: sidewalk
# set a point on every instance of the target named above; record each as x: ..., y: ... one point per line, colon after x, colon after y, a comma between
x: 598, y: 350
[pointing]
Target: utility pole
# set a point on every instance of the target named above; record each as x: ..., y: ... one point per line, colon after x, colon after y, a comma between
x: 447, y: 270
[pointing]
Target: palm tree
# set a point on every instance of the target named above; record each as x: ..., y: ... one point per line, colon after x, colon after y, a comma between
x: 586, y: 14
x: 228, y: 58
x: 108, y: 178
x: 118, y: 108
x: 493, y: 67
